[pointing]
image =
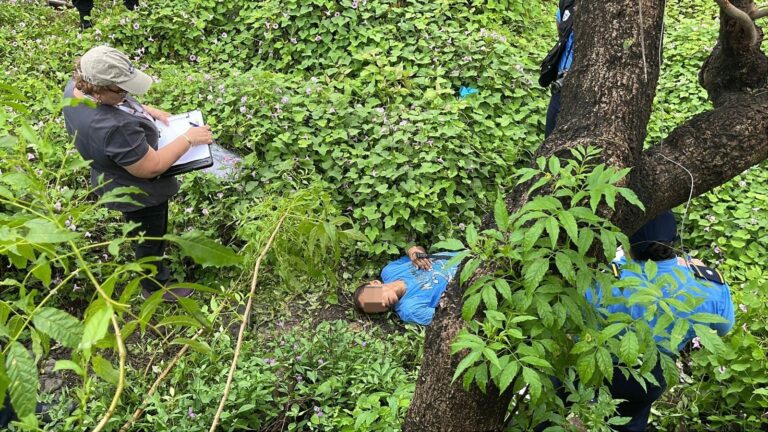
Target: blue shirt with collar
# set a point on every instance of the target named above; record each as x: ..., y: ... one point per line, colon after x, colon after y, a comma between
x: 715, y: 298
x: 423, y: 288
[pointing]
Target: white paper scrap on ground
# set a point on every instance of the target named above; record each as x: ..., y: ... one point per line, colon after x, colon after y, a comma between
x: 225, y: 162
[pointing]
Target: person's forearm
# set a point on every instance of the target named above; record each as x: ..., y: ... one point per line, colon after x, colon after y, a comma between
x: 174, y: 150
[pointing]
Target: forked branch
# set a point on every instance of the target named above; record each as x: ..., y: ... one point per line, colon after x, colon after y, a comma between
x: 744, y: 19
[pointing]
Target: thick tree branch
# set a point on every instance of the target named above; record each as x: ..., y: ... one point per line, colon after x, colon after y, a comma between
x: 714, y: 146
x: 736, y: 65
x: 756, y: 14
x: 610, y: 87
x: 742, y: 18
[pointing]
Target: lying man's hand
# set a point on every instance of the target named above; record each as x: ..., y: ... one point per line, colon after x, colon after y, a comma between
x: 418, y: 257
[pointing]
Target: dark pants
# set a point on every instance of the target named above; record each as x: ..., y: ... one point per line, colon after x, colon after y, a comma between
x: 84, y: 7
x: 153, y: 223
x: 7, y: 414
x: 637, y: 402
x: 552, y: 111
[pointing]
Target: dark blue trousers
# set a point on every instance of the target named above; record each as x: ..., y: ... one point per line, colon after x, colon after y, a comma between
x: 84, y: 7
x: 637, y: 404
x: 552, y: 111
x: 153, y: 221
x: 7, y: 414
x: 637, y: 401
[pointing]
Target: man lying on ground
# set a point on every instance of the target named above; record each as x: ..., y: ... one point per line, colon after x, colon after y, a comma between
x: 413, y: 285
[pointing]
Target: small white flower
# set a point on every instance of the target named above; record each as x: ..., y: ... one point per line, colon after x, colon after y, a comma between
x: 188, y: 210
x: 205, y: 212
x: 243, y: 109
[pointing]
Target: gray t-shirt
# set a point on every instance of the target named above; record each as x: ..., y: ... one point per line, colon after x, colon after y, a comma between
x: 112, y: 139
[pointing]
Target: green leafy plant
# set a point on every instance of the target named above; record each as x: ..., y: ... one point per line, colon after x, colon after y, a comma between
x: 540, y: 312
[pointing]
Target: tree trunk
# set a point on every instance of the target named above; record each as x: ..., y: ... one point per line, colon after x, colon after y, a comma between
x: 607, y: 100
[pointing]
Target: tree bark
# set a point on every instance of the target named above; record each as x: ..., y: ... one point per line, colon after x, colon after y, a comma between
x: 607, y: 100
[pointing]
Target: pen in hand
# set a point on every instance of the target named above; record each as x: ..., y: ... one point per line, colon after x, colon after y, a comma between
x: 194, y: 124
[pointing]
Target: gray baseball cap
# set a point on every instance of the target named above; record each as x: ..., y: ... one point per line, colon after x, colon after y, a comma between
x: 103, y: 66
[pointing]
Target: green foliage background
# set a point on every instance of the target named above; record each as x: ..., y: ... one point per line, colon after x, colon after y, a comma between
x: 358, y: 102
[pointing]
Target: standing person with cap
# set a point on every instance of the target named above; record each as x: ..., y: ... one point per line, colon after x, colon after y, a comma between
x: 654, y: 241
x: 120, y: 139
x: 84, y: 8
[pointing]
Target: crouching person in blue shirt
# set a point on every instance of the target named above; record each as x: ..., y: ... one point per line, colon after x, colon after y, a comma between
x: 654, y: 242
x: 413, y: 285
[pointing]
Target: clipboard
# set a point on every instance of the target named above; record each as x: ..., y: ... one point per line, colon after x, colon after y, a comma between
x: 197, y: 157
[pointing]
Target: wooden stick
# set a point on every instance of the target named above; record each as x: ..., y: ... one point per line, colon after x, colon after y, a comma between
x: 120, y: 380
x: 240, y: 334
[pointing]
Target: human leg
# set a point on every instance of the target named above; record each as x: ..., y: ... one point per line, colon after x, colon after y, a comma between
x: 552, y: 111
x: 131, y: 4
x: 153, y: 222
x: 637, y: 401
x: 84, y: 8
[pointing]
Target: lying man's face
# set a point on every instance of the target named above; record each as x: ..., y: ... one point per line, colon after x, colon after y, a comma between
x: 376, y: 297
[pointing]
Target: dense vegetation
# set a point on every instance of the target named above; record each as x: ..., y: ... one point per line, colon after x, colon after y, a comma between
x: 355, y: 143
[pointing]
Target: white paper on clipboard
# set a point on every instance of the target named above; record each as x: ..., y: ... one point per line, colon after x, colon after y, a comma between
x: 179, y: 124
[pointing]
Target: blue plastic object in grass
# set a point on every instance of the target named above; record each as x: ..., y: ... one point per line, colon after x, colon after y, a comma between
x: 466, y: 91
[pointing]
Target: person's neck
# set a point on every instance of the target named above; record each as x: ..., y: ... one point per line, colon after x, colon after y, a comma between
x: 398, y: 286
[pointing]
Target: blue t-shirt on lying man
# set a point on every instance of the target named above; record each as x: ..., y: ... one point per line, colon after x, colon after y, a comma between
x: 423, y: 288
x: 714, y: 298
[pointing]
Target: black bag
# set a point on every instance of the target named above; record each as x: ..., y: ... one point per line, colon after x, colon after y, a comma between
x: 548, y: 69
